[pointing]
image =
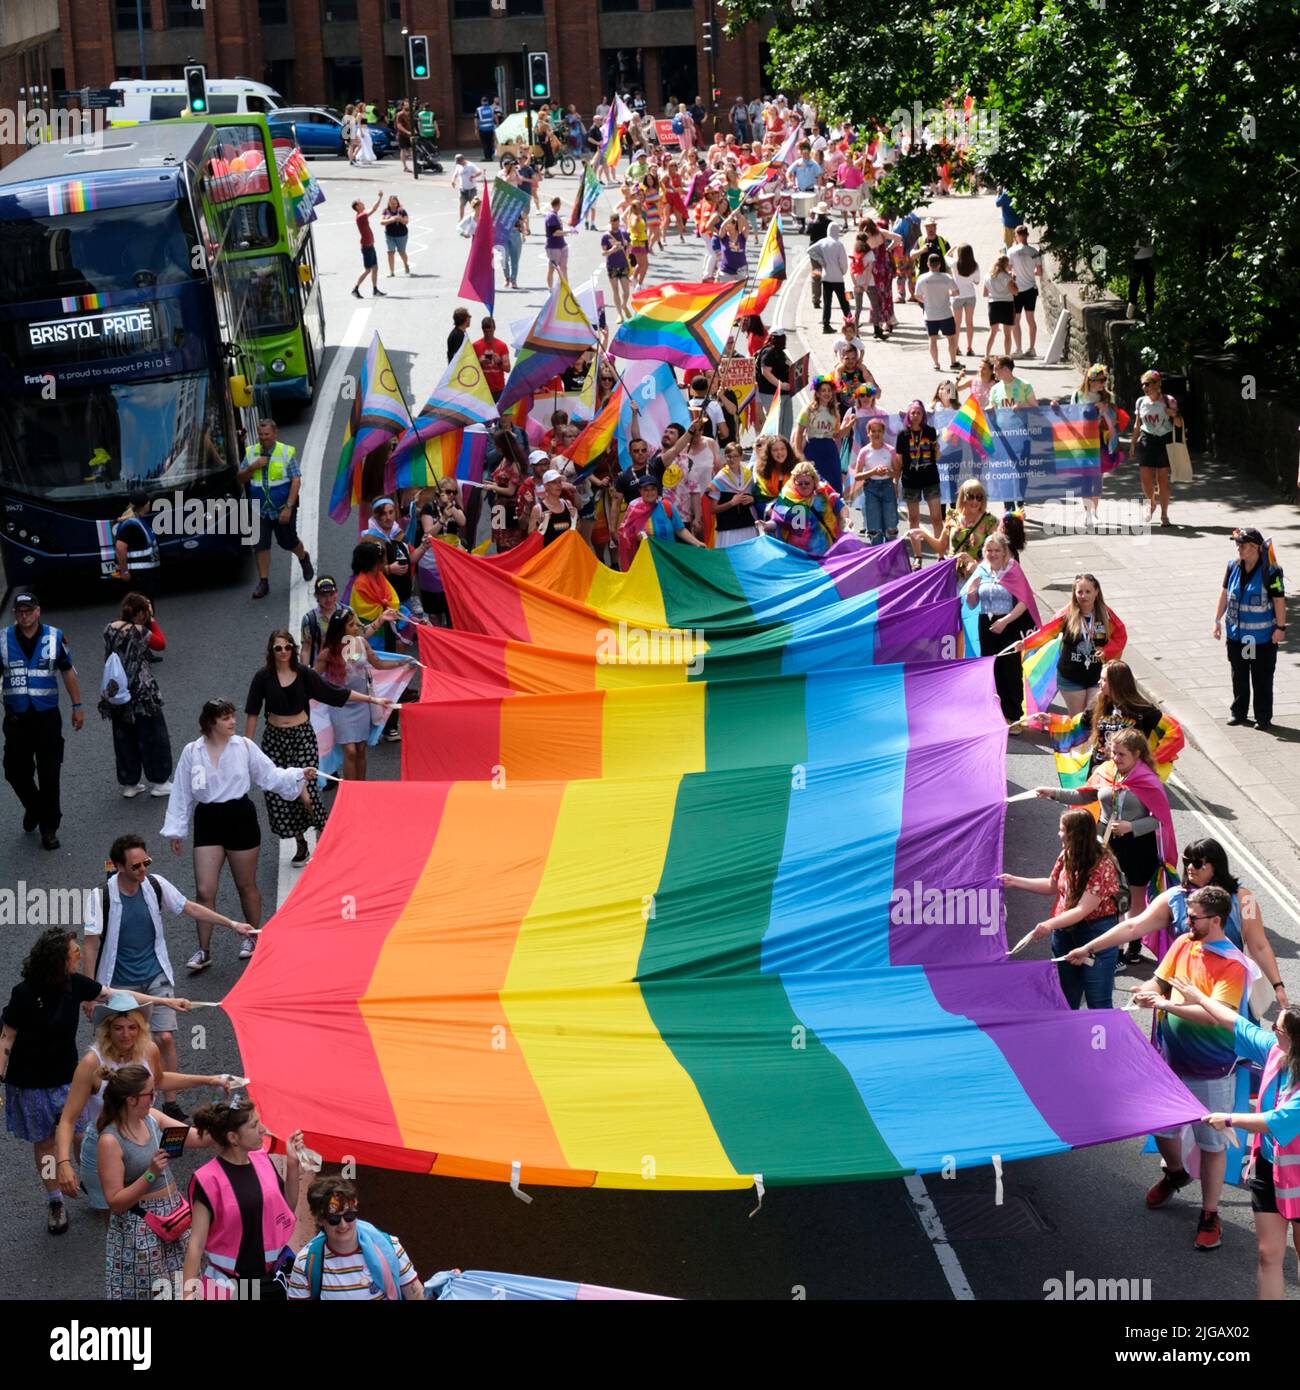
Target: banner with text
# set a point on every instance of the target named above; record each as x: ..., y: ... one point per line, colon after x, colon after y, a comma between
x: 1036, y: 453
x: 508, y: 205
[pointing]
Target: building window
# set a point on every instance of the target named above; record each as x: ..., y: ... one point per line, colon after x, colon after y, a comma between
x: 343, y: 80
x: 182, y: 15
x: 513, y: 9
x: 678, y: 75
x: 124, y: 15
x: 395, y: 10
x: 478, y: 78
x: 273, y: 11
x: 339, y: 11
x: 621, y: 68
x: 674, y: 4
x: 618, y: 6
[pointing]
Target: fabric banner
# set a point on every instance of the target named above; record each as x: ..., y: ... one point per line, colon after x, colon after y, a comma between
x: 1042, y: 452
x: 509, y: 204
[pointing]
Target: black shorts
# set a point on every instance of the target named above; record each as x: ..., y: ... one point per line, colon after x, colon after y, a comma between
x: 948, y: 327
x: 1151, y: 451
x: 1263, y: 1192
x: 587, y: 511
x: 1025, y: 299
x: 230, y: 824
x: 285, y: 532
x: 403, y: 142
x: 1001, y: 311
x: 369, y: 257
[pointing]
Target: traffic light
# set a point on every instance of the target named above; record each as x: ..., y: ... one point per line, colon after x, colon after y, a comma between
x: 708, y: 36
x: 417, y: 54
x: 196, y: 89
x: 539, y: 76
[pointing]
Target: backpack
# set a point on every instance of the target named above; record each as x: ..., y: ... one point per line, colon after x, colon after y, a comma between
x: 678, y: 125
x: 381, y: 1260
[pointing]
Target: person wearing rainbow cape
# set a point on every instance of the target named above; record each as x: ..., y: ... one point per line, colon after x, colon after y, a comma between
x: 650, y: 517
x: 806, y: 513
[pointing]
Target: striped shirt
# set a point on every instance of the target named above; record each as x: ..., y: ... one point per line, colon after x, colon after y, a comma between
x: 346, y: 1276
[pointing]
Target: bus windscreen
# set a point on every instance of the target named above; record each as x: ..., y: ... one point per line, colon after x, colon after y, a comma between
x: 97, y: 252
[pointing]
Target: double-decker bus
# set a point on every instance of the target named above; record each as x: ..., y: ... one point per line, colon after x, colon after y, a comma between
x: 139, y: 275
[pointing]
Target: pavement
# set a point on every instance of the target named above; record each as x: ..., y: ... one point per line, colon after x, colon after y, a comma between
x: 1079, y: 1211
x: 1164, y: 583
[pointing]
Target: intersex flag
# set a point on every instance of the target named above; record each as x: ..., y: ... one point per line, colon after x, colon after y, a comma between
x: 479, y: 280
x: 971, y: 426
x: 686, y: 324
x: 509, y: 203
x: 588, y: 192
x: 560, y: 334
x: 597, y: 435
x: 346, y: 492
x: 462, y: 397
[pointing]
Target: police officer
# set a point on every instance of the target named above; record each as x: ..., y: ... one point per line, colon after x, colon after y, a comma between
x: 1253, y: 599
x: 271, y: 471
x: 136, y: 547
x: 30, y: 654
x: 486, y: 120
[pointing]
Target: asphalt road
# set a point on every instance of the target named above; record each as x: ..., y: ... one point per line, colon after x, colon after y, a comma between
x: 1080, y: 1211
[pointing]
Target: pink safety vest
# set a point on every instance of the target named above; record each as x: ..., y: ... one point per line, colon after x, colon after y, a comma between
x: 222, y: 1250
x: 1286, y: 1157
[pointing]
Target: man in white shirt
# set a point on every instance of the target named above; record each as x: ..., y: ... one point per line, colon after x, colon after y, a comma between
x: 464, y: 178
x: 1027, y: 267
x: 936, y: 290
x: 125, y: 946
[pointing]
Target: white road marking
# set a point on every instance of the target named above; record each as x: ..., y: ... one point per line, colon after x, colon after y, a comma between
x: 312, y: 455
x: 944, y: 1253
x: 1220, y: 832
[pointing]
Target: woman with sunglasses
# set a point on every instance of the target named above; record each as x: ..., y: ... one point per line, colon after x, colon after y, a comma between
x: 441, y: 518
x: 137, y: 1187
x: 211, y: 783
x: 1205, y: 865
x: 349, y: 1258
x: 968, y: 525
x: 806, y: 514
x: 345, y: 661
x: 285, y: 687
x: 243, y: 1209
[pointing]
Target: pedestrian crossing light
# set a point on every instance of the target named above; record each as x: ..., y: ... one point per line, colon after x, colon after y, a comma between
x: 417, y: 52
x: 539, y: 76
x: 196, y: 89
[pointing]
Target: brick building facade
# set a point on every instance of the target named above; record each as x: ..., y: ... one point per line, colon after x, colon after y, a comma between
x: 334, y: 51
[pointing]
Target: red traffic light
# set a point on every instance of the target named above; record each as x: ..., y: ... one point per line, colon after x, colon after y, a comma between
x: 519, y: 103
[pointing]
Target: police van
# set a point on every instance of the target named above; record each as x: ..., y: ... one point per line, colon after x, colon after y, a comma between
x: 165, y: 98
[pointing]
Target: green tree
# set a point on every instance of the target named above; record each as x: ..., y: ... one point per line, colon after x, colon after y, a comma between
x: 1109, y: 124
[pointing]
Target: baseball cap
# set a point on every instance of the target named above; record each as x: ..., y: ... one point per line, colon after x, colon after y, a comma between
x: 538, y: 456
x: 26, y: 598
x: 326, y: 585
x: 552, y: 475
x: 1247, y: 533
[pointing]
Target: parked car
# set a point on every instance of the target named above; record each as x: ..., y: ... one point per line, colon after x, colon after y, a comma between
x: 319, y: 130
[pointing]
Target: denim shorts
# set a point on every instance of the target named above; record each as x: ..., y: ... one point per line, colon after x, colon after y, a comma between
x: 1216, y: 1094
x: 394, y: 243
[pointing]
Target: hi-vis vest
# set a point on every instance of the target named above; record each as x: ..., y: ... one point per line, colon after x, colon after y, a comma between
x: 272, y: 481
x: 221, y: 1252
x: 487, y: 117
x: 1250, y: 607
x: 30, y: 683
x: 1286, y: 1157
x: 141, y: 544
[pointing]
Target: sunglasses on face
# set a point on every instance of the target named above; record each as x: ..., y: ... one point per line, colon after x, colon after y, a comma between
x: 1194, y: 863
x: 1201, y: 918
x: 334, y: 1217
x: 141, y: 864
x: 282, y: 647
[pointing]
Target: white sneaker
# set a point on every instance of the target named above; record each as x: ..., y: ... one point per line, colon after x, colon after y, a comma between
x: 200, y: 960
x: 1029, y: 353
x: 129, y: 792
x: 161, y: 789
x: 246, y: 948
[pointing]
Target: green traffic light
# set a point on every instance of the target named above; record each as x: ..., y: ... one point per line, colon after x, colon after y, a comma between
x: 539, y: 89
x: 198, y: 103
x: 420, y: 70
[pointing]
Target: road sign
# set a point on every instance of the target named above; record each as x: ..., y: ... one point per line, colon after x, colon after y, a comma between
x: 92, y: 98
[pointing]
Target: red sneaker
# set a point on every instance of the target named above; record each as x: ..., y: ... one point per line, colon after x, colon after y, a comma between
x: 1209, y: 1233
x: 1169, y: 1183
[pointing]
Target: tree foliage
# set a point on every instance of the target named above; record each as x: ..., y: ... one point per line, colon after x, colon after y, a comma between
x: 1114, y: 122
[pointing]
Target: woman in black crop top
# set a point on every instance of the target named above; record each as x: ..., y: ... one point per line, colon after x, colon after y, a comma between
x: 285, y: 688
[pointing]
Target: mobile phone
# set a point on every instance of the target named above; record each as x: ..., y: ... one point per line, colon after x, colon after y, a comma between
x: 173, y: 1139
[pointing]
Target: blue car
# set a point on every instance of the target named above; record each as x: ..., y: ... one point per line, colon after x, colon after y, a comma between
x: 319, y: 130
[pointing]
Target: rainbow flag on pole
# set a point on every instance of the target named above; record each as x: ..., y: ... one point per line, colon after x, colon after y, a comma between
x: 461, y: 398
x: 597, y: 435
x: 346, y: 492
x: 971, y: 426
x: 684, y: 324
x: 560, y: 334
x: 588, y: 192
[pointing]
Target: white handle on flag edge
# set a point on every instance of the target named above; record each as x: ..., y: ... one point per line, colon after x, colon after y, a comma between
x: 516, y: 1168
x: 759, y: 1190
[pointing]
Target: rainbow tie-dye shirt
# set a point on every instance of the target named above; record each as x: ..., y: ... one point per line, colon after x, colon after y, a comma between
x: 1215, y: 968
